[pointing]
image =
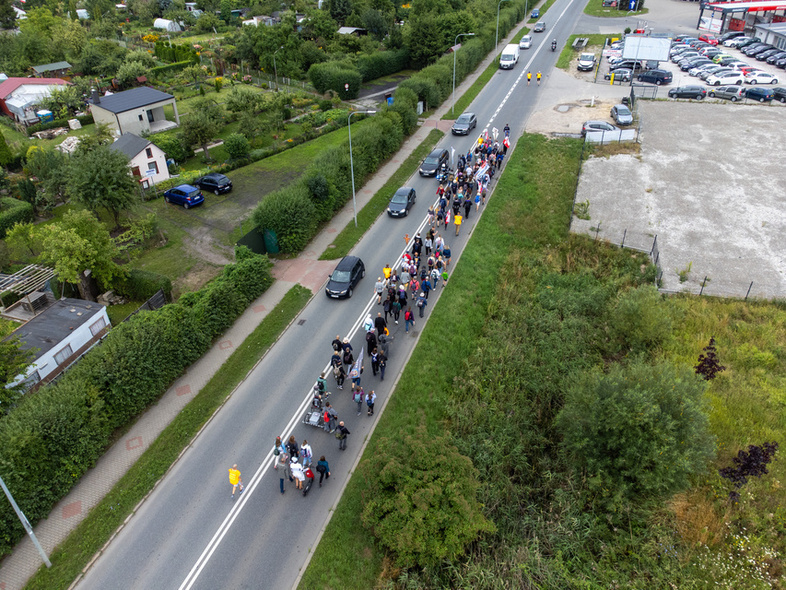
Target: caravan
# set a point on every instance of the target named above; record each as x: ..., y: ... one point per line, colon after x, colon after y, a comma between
x: 509, y: 57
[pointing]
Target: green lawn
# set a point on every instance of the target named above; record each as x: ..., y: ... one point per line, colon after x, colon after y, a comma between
x: 594, y: 45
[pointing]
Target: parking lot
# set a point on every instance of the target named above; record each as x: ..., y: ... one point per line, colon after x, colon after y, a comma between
x: 709, y: 183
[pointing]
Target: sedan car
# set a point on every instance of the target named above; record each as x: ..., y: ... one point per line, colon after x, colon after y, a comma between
x: 184, y: 194
x: 345, y: 278
x: 540, y: 26
x: 760, y: 94
x: 699, y: 69
x: 727, y: 78
x: 767, y: 53
x: 775, y: 57
x: 215, y: 183
x: 526, y: 42
x: 732, y: 93
x: 434, y: 161
x: 597, y: 126
x: 621, y: 114
x: 620, y: 74
x: 697, y: 92
x: 707, y: 73
x: 760, y: 78
x: 402, y: 201
x: 464, y: 124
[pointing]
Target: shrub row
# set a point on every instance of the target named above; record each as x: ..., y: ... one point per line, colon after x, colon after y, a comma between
x: 141, y: 285
x: 56, y: 434
x: 339, y: 76
x: 13, y: 211
x: 175, y: 53
x: 83, y: 119
x: 382, y: 63
x: 173, y: 67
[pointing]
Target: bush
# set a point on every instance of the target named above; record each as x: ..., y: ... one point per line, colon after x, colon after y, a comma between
x: 333, y: 75
x: 237, y: 146
x: 641, y: 320
x: 173, y: 147
x: 141, y: 285
x: 639, y: 432
x: 174, y: 67
x: 291, y: 214
x: 382, y: 63
x: 13, y: 211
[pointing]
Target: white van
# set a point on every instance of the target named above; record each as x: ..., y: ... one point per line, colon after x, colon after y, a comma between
x: 509, y: 57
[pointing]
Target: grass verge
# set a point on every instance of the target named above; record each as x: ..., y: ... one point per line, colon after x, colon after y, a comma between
x: 595, y: 45
x: 596, y: 8
x: 529, y: 208
x: 350, y: 235
x: 94, y: 531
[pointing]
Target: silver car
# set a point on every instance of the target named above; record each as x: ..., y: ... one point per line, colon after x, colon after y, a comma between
x: 526, y: 42
x: 621, y: 114
x: 732, y: 93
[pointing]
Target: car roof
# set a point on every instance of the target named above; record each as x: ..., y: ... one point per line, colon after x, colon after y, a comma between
x: 467, y: 114
x: 403, y: 190
x: 437, y: 152
x: 216, y: 175
x: 186, y: 187
x: 347, y: 263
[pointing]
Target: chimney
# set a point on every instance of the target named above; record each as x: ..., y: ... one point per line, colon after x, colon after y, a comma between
x: 94, y: 95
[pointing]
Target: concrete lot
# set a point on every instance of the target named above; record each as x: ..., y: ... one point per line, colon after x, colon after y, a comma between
x: 709, y: 183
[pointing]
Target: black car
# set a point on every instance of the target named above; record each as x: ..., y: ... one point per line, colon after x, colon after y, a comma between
x: 767, y: 53
x: 697, y: 92
x: 730, y: 35
x: 434, y: 161
x: 215, y: 183
x: 779, y: 94
x: 781, y: 63
x: 760, y: 94
x: 694, y: 63
x: 656, y: 77
x: 402, y: 200
x: 345, y: 278
x: 464, y: 124
x: 775, y: 57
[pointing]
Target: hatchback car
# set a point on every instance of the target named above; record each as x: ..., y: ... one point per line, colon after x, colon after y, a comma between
x: 215, y: 183
x: 586, y: 62
x: 678, y: 57
x: 707, y: 38
x: 434, y: 161
x: 621, y: 114
x: 694, y: 63
x: 727, y: 78
x: 464, y: 124
x: 656, y: 77
x: 732, y: 93
x: 620, y: 74
x: 703, y: 75
x: 535, y: 13
x: 597, y: 126
x: 697, y: 92
x: 342, y: 282
x: 184, y: 194
x: 779, y: 94
x: 755, y: 50
x: 775, y: 57
x: 540, y: 26
x: 767, y: 53
x: 401, y: 202
x: 760, y: 94
x: 724, y: 59
x: 526, y: 42
x: 760, y: 78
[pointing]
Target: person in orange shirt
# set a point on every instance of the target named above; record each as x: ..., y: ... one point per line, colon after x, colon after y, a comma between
x: 235, y: 479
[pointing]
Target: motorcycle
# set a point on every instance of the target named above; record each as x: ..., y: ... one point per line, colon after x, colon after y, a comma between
x: 553, y: 45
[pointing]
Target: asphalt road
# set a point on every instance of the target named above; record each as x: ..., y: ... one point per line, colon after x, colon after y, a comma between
x: 189, y: 533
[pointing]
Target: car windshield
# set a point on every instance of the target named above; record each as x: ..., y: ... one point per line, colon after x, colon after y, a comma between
x: 623, y: 111
x: 506, y: 57
x: 340, y: 276
x: 464, y: 118
x: 399, y: 198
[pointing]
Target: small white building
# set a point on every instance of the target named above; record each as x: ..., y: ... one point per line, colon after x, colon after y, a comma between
x: 59, y: 335
x: 167, y: 25
x: 146, y: 160
x: 139, y: 110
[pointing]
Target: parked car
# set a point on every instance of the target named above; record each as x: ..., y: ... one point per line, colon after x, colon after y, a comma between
x: 697, y: 92
x: 401, y: 202
x: 781, y: 63
x: 775, y: 57
x: 767, y: 53
x: 535, y: 13
x: 710, y: 52
x: 760, y: 94
x: 184, y: 194
x: 620, y: 74
x: 724, y: 58
x: 730, y: 35
x: 707, y: 73
x: 678, y: 48
x: 732, y: 93
x: 343, y: 280
x: 586, y: 62
x: 748, y: 41
x: 736, y: 41
x: 699, y: 69
x: 736, y: 66
x: 755, y: 50
x: 631, y: 64
x: 526, y: 42
x: 727, y: 78
x: 464, y: 124
x: 657, y: 77
x: 434, y: 161
x: 760, y: 78
x: 597, y: 126
x: 746, y: 69
x: 707, y: 38
x: 215, y: 183
x: 621, y: 114
x: 609, y: 3
x: 695, y: 62
x: 678, y: 57
x: 539, y: 27
x: 779, y: 94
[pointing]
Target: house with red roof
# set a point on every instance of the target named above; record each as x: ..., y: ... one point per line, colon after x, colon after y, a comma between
x: 19, y: 96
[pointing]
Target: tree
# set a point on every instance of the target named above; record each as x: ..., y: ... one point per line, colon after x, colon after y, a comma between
x: 77, y: 244
x: 193, y: 72
x: 750, y: 463
x: 142, y: 56
x: 128, y: 73
x: 202, y: 124
x: 226, y: 11
x: 709, y: 366
x: 638, y: 432
x: 49, y: 168
x: 236, y: 146
x: 25, y: 240
x: 5, y: 152
x: 423, y: 504
x: 7, y: 15
x: 243, y: 99
x: 13, y: 363
x: 100, y: 178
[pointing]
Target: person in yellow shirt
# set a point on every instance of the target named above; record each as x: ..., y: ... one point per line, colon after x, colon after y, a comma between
x: 457, y: 219
x: 538, y: 78
x: 386, y: 271
x: 235, y: 480
x: 529, y: 78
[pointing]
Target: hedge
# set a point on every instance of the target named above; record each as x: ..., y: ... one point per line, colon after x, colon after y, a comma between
x: 334, y: 75
x: 141, y: 285
x: 175, y: 53
x: 83, y: 119
x: 54, y: 435
x: 13, y: 211
x: 382, y: 63
x: 174, y: 67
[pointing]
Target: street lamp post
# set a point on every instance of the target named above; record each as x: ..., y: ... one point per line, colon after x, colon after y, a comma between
x: 496, y: 38
x: 275, y: 69
x: 25, y: 523
x: 351, y: 163
x: 455, y: 42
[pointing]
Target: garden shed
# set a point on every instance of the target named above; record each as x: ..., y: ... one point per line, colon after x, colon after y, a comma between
x: 164, y: 24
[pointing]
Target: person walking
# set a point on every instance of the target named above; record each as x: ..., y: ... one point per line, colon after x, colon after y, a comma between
x: 421, y: 303
x: 409, y: 318
x: 444, y: 277
x: 336, y: 344
x: 380, y: 324
x: 235, y: 480
x: 426, y: 286
x: 306, y: 453
x: 340, y: 374
x: 477, y: 201
x: 375, y: 361
x: 357, y: 397
x: 538, y: 78
x: 395, y: 307
x: 379, y: 288
x: 348, y: 357
x: 297, y: 473
x: 292, y: 449
x: 341, y: 435
x: 446, y: 255
x: 386, y: 272
x: 371, y: 341
x: 529, y: 78
x: 368, y: 323
x: 428, y: 244
x: 371, y: 398
x: 282, y: 466
x: 323, y: 469
x: 383, y: 362
x: 329, y: 418
x: 467, y: 207
x: 354, y: 375
x: 457, y: 219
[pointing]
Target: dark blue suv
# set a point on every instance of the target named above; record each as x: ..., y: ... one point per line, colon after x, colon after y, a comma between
x: 184, y: 194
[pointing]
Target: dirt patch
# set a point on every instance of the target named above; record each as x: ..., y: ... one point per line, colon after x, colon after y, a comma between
x: 568, y: 117
x: 201, y: 274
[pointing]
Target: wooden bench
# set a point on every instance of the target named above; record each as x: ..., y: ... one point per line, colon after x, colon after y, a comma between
x: 580, y: 42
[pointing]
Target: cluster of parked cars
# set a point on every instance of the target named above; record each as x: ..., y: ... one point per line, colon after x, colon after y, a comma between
x: 189, y: 195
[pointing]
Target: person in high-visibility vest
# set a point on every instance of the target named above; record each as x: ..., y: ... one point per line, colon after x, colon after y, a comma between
x: 538, y: 78
x: 529, y: 78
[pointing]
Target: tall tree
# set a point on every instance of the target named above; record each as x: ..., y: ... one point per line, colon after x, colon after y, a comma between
x: 7, y: 15
x: 202, y: 124
x: 99, y: 178
x: 13, y: 362
x: 5, y: 151
x: 77, y: 244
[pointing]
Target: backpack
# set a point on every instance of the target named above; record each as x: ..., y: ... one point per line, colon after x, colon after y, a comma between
x: 358, y: 397
x: 321, y: 468
x: 420, y: 303
x: 326, y: 417
x: 276, y: 451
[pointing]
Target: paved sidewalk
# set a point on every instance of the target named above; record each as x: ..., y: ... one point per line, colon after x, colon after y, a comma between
x: 305, y: 269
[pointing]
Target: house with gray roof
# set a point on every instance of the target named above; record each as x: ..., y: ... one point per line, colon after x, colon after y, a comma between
x: 58, y: 69
x: 146, y: 160
x: 139, y: 110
